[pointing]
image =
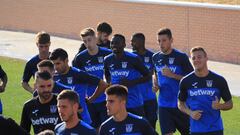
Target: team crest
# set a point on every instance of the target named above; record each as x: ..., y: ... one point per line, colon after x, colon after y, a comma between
x: 129, y: 128
x: 100, y: 59
x: 146, y: 59
x: 124, y: 64
x: 171, y: 60
x: 209, y: 83
x: 69, y: 80
x: 53, y: 108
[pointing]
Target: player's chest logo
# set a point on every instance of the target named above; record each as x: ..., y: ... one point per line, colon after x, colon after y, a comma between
x: 53, y: 108
x: 195, y: 84
x: 209, y: 83
x: 129, y: 128
x: 34, y: 112
x: 124, y: 64
x: 69, y: 80
x: 100, y: 59
x: 171, y: 60
x: 112, y: 131
x: 88, y: 62
x: 146, y: 59
x: 74, y: 134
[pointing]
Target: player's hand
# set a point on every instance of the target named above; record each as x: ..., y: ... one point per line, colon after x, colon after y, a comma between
x: 155, y: 88
x: 216, y: 104
x: 166, y: 71
x: 196, y: 115
x: 88, y: 100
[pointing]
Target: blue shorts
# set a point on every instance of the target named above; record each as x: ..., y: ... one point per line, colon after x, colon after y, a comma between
x: 171, y: 119
x: 209, y: 133
x: 150, y: 111
x: 137, y: 111
x: 98, y: 113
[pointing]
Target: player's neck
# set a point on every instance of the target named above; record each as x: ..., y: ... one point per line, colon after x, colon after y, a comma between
x: 72, y: 122
x: 43, y: 56
x: 142, y: 51
x: 121, y: 115
x: 93, y: 51
x: 168, y: 51
x: 67, y: 69
x: 43, y: 101
x: 202, y: 72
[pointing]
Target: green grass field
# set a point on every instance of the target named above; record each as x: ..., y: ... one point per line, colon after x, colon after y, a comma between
x: 15, y: 96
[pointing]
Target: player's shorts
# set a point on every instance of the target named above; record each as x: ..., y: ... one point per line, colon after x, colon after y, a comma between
x: 150, y: 111
x: 171, y: 119
x: 209, y: 133
x: 137, y: 111
x: 98, y: 113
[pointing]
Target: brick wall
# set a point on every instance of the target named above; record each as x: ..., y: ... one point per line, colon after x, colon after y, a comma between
x: 216, y: 29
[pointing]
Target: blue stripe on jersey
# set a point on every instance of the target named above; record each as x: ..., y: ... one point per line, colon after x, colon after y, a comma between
x: 146, y: 88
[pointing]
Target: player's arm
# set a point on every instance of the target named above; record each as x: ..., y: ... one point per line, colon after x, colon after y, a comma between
x: 145, y: 74
x: 4, y: 79
x: 84, y: 77
x: 107, y: 73
x: 25, y: 121
x: 226, y: 96
x: 166, y: 71
x: 147, y: 129
x: 15, y: 127
x: 26, y: 77
x: 99, y: 90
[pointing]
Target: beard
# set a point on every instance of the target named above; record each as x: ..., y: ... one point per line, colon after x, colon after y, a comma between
x: 45, y: 95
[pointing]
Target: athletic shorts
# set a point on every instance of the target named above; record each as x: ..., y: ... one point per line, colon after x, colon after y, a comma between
x: 98, y: 113
x: 150, y: 111
x: 171, y: 119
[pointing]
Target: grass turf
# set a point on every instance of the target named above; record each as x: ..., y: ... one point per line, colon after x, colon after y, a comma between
x: 14, y: 97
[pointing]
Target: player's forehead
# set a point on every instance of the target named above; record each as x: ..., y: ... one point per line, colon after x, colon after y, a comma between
x: 197, y: 53
x: 43, y: 82
x: 63, y: 102
x: 42, y: 69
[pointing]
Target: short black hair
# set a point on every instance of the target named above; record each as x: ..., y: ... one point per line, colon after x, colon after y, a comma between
x: 58, y: 53
x: 118, y: 90
x: 121, y: 37
x: 139, y: 36
x: 42, y: 37
x: 46, y: 63
x: 104, y: 27
x: 71, y: 95
x: 43, y: 75
x: 165, y: 31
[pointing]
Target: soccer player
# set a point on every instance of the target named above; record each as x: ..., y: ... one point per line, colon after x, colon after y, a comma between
x: 41, y: 112
x: 91, y: 61
x: 127, y: 69
x: 76, y: 78
x: 68, y: 104
x: 149, y: 97
x: 3, y: 84
x: 170, y: 66
x: 104, y: 30
x: 121, y: 121
x: 47, y: 65
x: 43, y: 44
x: 200, y: 95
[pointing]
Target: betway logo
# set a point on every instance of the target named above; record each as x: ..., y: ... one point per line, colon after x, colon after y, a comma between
x: 201, y: 92
x: 94, y: 68
x: 173, y: 69
x: 120, y: 73
x: 43, y: 121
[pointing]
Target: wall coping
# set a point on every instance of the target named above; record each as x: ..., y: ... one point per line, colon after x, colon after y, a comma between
x: 186, y: 4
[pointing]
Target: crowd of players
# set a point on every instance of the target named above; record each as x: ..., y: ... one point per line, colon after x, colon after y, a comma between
x: 111, y: 91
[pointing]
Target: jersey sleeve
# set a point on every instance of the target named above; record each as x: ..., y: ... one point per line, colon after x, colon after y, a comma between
x: 25, y: 121
x: 84, y: 77
x: 2, y: 73
x: 225, y: 92
x: 27, y: 74
x: 182, y: 95
x: 139, y: 66
x: 186, y: 64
